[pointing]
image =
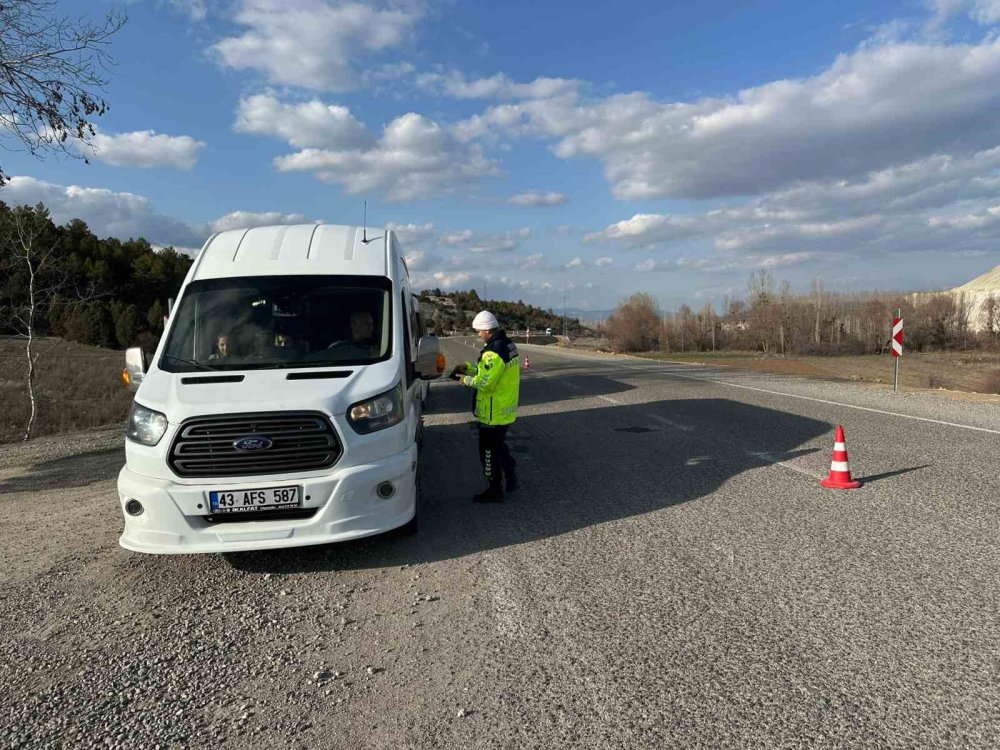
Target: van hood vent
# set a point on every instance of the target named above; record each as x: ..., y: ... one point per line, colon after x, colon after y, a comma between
x: 327, y: 374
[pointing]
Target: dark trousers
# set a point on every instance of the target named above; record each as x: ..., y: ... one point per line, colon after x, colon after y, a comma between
x: 494, y: 453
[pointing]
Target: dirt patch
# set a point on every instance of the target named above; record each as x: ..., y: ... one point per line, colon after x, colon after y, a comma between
x: 78, y: 387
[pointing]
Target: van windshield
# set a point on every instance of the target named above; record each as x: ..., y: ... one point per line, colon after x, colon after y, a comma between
x: 262, y: 322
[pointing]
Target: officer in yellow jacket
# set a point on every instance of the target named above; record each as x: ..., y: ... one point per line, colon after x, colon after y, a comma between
x: 496, y: 378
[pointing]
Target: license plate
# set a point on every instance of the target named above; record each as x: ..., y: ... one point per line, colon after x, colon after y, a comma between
x: 252, y: 501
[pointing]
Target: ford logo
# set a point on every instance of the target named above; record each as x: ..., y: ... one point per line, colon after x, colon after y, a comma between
x: 253, y: 443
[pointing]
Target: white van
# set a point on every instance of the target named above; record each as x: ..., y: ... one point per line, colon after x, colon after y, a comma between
x: 282, y: 406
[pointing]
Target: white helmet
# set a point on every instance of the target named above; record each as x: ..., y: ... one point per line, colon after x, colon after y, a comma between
x: 485, y: 321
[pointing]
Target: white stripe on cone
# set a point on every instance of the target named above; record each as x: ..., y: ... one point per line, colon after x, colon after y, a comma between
x: 840, y: 447
x: 839, y: 466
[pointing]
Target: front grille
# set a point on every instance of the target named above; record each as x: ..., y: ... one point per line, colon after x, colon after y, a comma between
x: 300, y: 441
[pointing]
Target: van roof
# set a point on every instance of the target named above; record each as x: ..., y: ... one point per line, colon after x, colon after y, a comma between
x: 295, y: 249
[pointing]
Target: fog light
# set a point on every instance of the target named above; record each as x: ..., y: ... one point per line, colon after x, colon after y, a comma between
x: 386, y: 490
x: 133, y: 507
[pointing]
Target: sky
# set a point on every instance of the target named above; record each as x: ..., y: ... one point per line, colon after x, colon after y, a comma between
x: 551, y: 151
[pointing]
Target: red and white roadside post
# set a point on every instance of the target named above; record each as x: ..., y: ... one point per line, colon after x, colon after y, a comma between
x: 897, y: 346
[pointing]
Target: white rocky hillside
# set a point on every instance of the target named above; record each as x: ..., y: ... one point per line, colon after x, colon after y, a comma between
x: 975, y: 293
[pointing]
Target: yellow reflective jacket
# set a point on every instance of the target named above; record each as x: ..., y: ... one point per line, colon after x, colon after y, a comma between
x: 497, y: 380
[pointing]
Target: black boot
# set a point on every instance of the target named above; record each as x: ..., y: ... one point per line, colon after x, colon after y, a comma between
x: 492, y: 494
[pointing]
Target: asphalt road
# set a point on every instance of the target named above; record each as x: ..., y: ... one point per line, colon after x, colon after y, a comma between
x: 670, y: 575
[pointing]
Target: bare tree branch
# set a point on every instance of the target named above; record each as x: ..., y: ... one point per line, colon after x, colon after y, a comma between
x: 51, y: 70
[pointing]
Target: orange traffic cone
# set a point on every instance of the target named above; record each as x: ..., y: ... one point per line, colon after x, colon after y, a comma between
x: 527, y: 362
x: 840, y: 469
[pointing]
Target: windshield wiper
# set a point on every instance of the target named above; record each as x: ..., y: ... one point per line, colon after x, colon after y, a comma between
x: 199, y: 365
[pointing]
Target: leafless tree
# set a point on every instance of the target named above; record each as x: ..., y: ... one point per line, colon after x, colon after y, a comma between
x: 634, y: 326
x: 51, y: 70
x: 27, y: 243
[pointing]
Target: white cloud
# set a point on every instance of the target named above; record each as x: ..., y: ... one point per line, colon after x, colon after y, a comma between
x: 145, y: 148
x: 498, y: 243
x: 249, y: 219
x: 412, y: 234
x: 648, y: 229
x: 311, y: 124
x: 499, y: 86
x: 456, y: 238
x: 650, y: 264
x: 533, y: 262
x: 983, y: 12
x: 127, y: 215
x: 870, y: 110
x: 108, y: 214
x: 740, y: 264
x: 887, y: 211
x: 414, y: 158
x: 604, y: 261
x: 421, y: 260
x: 196, y: 10
x: 574, y: 264
x: 315, y: 44
x: 447, y: 280
x: 987, y: 217
x: 532, y: 198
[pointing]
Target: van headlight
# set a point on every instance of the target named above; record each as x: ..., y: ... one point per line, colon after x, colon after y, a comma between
x: 145, y: 425
x: 384, y: 410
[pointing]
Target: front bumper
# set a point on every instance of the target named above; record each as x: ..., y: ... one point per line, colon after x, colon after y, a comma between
x: 347, y: 507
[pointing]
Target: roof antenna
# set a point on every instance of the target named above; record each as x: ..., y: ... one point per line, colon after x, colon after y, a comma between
x: 364, y: 229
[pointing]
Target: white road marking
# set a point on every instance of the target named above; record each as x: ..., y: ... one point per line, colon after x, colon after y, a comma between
x: 834, y: 403
x: 672, y: 374
x: 610, y: 400
x: 670, y: 423
x: 764, y: 456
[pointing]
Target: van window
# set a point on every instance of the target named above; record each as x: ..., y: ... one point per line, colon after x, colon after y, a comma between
x: 264, y: 322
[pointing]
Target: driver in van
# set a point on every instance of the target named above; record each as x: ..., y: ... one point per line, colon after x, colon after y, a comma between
x: 362, y: 332
x: 362, y: 329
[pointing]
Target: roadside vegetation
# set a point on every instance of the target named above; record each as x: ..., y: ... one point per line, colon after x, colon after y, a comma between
x: 950, y: 342
x: 450, y: 311
x: 63, y: 281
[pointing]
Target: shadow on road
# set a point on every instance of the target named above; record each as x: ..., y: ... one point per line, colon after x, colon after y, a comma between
x: 578, y: 468
x: 887, y: 474
x: 69, y: 471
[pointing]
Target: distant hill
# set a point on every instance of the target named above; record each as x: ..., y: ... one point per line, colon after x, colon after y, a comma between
x: 448, y: 311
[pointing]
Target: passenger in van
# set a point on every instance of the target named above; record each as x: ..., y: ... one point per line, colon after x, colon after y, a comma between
x: 221, y: 347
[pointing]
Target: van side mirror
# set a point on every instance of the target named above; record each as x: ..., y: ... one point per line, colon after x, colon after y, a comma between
x: 430, y: 360
x: 135, y: 368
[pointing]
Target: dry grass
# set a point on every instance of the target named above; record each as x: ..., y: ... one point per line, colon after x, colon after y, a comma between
x: 973, y: 372
x: 78, y: 387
